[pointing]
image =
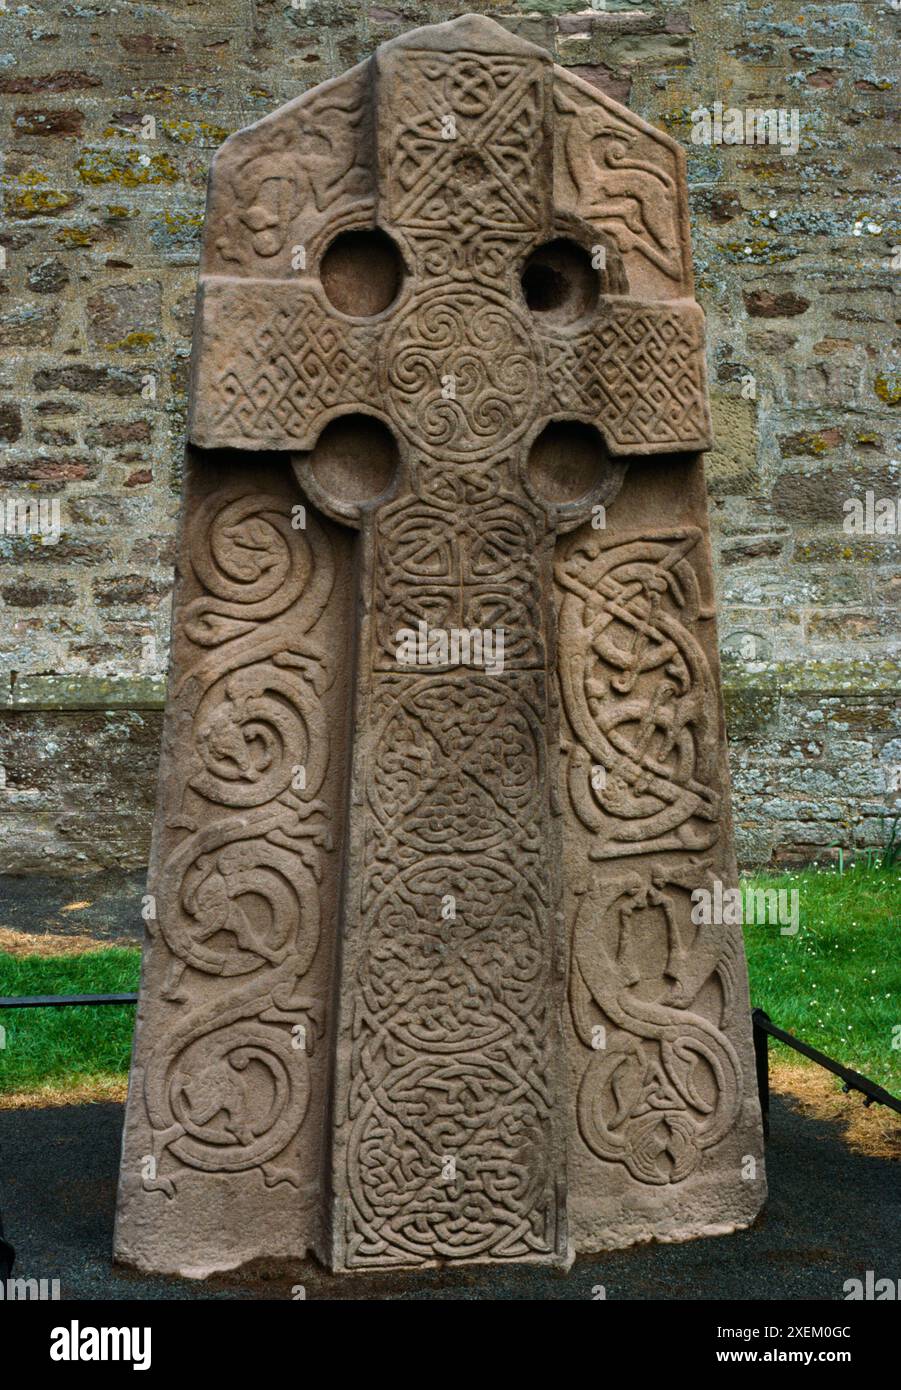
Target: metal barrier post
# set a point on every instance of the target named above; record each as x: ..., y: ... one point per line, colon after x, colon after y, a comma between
x: 762, y: 1061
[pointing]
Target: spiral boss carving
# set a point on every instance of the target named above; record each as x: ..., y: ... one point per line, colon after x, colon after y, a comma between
x: 413, y: 472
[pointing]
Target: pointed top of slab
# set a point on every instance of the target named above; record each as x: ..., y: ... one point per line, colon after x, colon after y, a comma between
x: 471, y: 33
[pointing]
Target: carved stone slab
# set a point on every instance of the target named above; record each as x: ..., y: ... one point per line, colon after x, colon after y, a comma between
x: 444, y: 756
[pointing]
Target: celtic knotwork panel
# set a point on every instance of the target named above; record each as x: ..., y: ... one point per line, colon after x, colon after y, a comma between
x: 238, y: 892
x: 453, y: 983
x: 467, y: 484
x: 638, y: 694
x: 465, y: 559
x: 489, y: 1118
x: 468, y: 133
x: 277, y: 361
x: 639, y: 373
x: 458, y: 763
x: 450, y: 1108
x: 650, y: 994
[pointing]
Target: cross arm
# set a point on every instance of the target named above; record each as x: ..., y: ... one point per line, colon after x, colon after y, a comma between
x: 274, y: 362
x: 638, y: 374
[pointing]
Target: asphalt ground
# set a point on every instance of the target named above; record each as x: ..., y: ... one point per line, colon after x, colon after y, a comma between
x: 51, y: 904
x: 832, y: 1215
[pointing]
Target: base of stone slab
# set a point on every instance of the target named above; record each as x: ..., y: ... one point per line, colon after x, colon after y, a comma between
x: 269, y: 1266
x: 211, y: 1225
x: 207, y: 1269
x: 246, y: 1265
x: 724, y: 1215
x: 615, y: 1240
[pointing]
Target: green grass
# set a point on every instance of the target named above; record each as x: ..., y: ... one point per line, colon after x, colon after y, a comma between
x: 66, y: 1048
x: 836, y: 984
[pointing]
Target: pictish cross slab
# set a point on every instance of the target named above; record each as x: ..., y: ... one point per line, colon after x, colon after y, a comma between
x: 454, y: 290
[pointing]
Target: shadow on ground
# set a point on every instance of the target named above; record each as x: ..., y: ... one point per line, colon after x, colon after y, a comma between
x: 832, y: 1215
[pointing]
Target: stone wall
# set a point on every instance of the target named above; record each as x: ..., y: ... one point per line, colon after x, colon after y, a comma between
x: 109, y: 117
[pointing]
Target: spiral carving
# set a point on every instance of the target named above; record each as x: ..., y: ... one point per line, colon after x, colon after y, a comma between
x: 227, y: 1088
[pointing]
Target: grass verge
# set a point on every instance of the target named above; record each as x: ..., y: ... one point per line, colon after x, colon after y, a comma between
x: 49, y: 1051
x: 836, y: 982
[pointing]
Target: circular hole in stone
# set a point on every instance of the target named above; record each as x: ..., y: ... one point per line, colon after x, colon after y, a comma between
x: 361, y: 272
x: 559, y: 281
x: 567, y: 461
x: 355, y: 459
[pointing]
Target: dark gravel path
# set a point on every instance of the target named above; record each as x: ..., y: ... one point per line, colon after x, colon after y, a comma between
x: 36, y: 903
x: 832, y: 1216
